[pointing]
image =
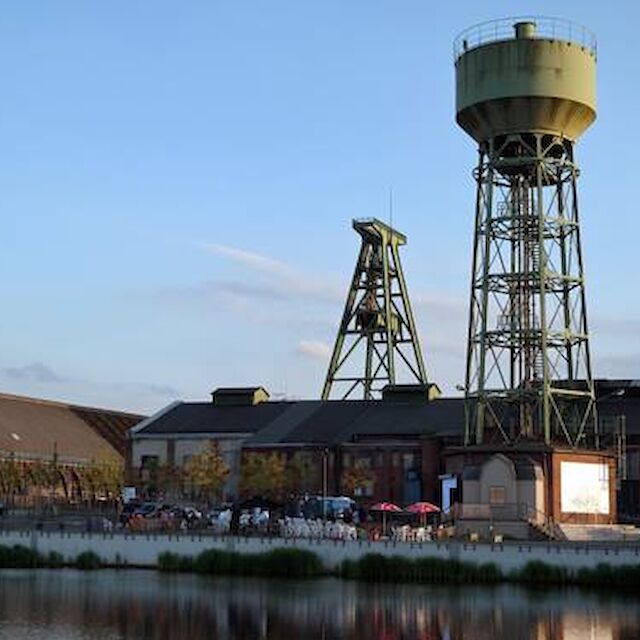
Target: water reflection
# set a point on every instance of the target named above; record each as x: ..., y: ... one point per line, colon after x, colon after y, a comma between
x: 114, y: 605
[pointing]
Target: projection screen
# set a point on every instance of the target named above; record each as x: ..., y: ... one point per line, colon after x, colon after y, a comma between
x: 584, y: 487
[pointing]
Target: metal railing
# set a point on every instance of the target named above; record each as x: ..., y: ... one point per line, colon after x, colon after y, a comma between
x: 503, y: 29
x: 507, y: 511
x: 516, y: 511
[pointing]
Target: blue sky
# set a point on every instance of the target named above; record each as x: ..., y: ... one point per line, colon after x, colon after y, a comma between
x: 177, y: 182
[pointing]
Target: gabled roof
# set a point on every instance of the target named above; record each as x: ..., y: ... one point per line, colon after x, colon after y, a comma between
x: 35, y: 428
x: 206, y: 417
x: 311, y: 421
x: 340, y: 421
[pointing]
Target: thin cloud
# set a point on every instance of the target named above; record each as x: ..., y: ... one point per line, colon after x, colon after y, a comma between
x: 616, y: 326
x: 35, y: 372
x: 164, y: 390
x: 246, y: 290
x: 250, y: 259
x: 39, y: 380
x: 280, y: 280
x: 315, y: 349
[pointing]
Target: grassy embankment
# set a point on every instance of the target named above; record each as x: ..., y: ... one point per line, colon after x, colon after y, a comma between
x: 20, y: 557
x: 299, y: 563
x: 296, y: 563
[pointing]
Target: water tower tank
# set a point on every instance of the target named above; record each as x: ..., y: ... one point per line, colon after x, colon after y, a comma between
x: 525, y: 91
x: 525, y: 75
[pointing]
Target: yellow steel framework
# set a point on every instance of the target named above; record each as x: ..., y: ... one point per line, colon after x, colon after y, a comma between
x: 377, y: 337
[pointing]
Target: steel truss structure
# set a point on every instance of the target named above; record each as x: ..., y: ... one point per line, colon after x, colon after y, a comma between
x: 528, y: 373
x: 377, y: 334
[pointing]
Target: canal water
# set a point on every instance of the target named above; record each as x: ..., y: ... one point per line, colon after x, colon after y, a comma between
x: 141, y: 605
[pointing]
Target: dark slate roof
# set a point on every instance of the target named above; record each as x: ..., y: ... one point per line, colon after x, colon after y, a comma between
x: 283, y: 424
x: 206, y: 417
x: 328, y: 423
x: 606, y: 388
x: 443, y: 416
x: 312, y: 421
x: 336, y: 421
x: 348, y: 420
x: 627, y: 407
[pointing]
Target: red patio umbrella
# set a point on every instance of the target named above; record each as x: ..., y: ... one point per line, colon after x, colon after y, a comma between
x: 422, y: 509
x: 385, y: 507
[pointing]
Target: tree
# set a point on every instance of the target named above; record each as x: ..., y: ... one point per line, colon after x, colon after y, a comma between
x: 357, y: 479
x: 104, y: 476
x: 43, y: 476
x: 303, y: 473
x: 112, y: 475
x: 207, y: 472
x: 263, y: 474
x: 11, y: 477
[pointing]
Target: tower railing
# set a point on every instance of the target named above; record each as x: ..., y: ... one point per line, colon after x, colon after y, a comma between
x: 546, y: 29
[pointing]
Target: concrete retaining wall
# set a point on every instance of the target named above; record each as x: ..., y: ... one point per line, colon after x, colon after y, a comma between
x: 144, y: 549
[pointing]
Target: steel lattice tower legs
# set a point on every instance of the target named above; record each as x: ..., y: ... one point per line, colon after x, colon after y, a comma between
x: 528, y: 373
x: 377, y: 334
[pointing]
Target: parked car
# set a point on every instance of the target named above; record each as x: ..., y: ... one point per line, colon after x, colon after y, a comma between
x: 147, y: 510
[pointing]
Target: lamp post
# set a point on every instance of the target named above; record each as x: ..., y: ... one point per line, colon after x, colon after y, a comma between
x: 325, y: 473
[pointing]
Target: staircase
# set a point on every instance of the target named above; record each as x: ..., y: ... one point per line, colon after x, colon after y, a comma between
x: 543, y: 528
x: 535, y: 258
x: 538, y: 366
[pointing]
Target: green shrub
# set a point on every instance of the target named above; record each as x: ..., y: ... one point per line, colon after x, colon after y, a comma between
x: 174, y: 562
x: 490, y: 573
x: 88, y: 560
x: 604, y: 576
x: 214, y: 562
x: 536, y: 572
x: 54, y: 560
x: 291, y: 563
x: 19, y: 557
x: 279, y: 563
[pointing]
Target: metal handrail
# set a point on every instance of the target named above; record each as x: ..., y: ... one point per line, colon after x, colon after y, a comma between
x: 503, y: 29
x: 520, y: 511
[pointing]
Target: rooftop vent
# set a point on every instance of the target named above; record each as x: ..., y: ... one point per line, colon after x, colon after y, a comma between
x: 239, y: 396
x: 413, y: 393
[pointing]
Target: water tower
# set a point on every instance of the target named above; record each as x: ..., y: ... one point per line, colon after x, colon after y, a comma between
x: 525, y: 92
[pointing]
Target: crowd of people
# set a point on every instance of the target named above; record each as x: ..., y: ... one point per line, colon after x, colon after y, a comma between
x: 327, y: 518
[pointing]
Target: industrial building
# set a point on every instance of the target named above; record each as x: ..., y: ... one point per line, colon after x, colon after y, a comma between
x: 71, y: 436
x: 410, y: 443
x: 536, y: 441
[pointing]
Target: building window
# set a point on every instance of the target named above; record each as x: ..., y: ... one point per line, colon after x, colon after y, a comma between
x: 346, y: 460
x: 409, y: 461
x: 497, y: 496
x: 379, y: 460
x: 395, y: 459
